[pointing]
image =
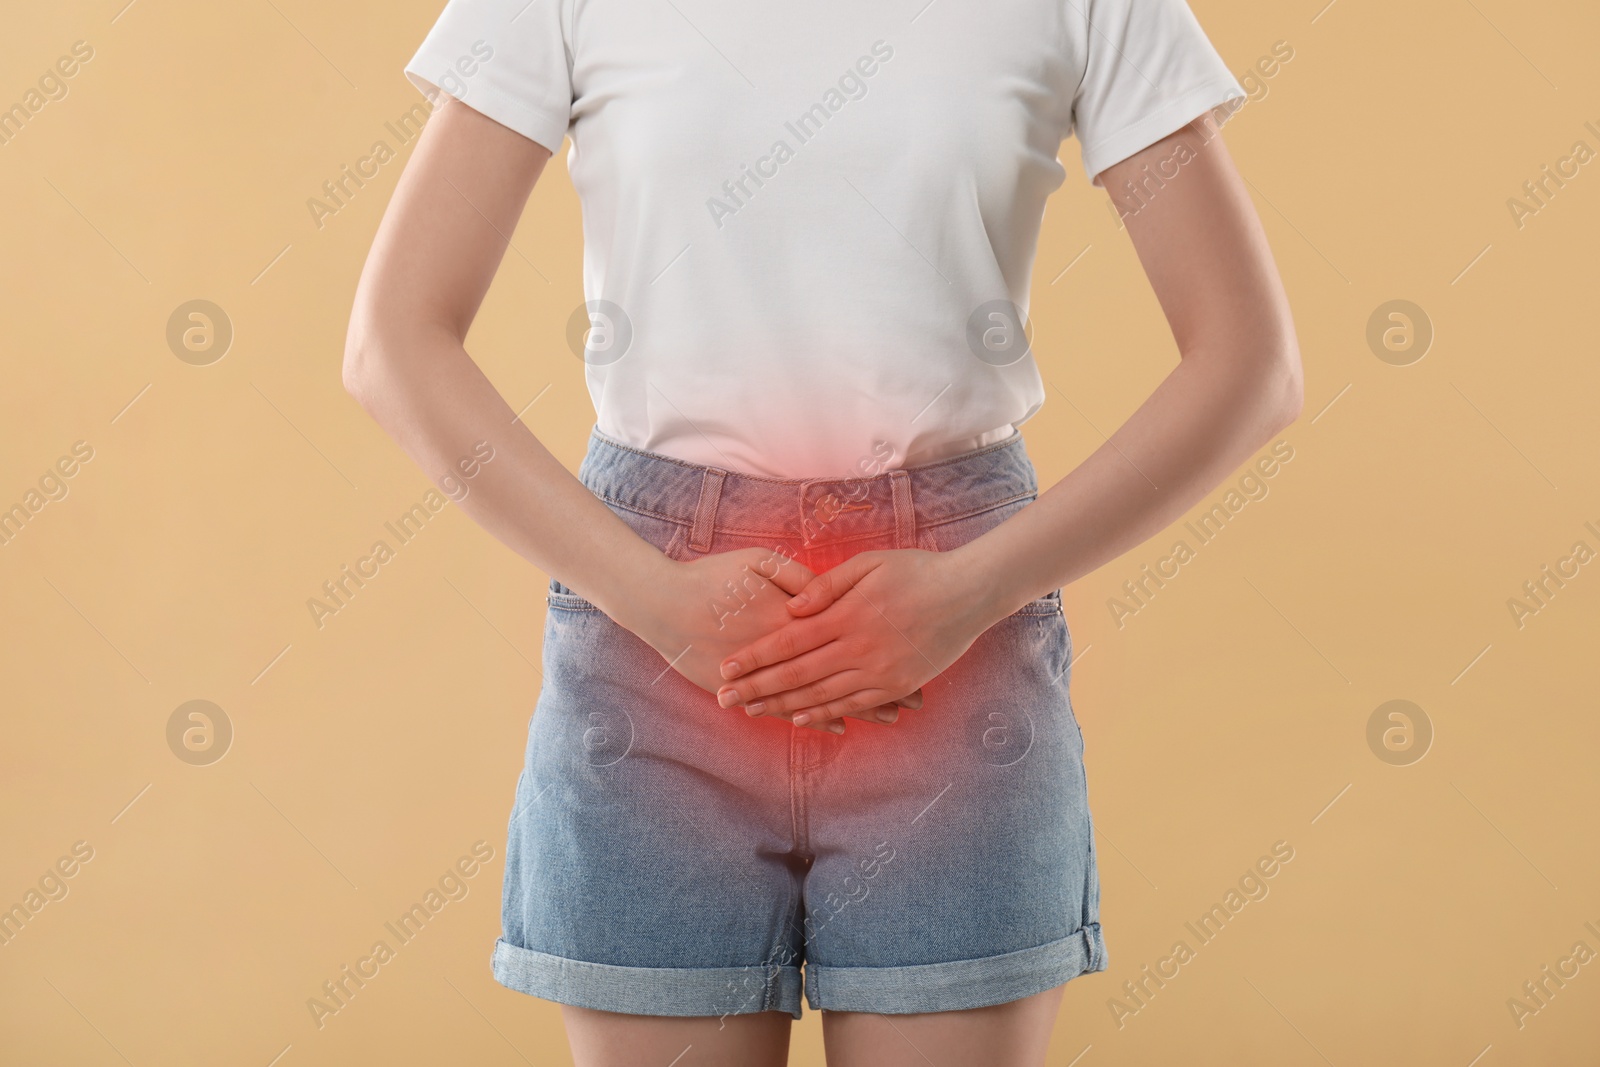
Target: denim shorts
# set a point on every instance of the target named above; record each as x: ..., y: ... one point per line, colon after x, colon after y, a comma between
x: 667, y: 856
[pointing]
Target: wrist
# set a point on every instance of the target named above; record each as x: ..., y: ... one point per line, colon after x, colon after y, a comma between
x: 989, y: 581
x: 629, y: 577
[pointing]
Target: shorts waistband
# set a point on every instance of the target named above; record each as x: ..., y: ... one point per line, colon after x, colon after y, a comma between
x: 812, y: 510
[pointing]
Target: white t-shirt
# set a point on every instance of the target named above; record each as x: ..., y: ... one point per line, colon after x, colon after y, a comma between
x: 809, y: 229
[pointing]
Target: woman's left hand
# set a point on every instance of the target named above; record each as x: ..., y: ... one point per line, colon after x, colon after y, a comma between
x: 868, y: 632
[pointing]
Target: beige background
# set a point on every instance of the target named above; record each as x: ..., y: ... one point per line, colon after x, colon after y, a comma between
x: 1229, y: 713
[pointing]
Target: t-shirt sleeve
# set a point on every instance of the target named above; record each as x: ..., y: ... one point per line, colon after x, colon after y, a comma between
x: 1149, y: 71
x: 507, y: 59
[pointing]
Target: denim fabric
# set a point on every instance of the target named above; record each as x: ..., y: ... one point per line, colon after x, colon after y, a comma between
x: 670, y: 857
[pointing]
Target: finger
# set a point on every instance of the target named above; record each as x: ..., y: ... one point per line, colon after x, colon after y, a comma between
x: 884, y: 713
x: 881, y: 713
x: 826, y: 726
x: 813, y: 695
x: 781, y: 677
x: 784, y: 571
x: 830, y: 710
x: 786, y: 642
x: 827, y: 587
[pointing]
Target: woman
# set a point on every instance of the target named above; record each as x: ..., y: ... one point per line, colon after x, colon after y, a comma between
x: 809, y: 234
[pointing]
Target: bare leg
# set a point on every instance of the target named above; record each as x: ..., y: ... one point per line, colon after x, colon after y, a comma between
x: 609, y: 1039
x: 1005, y: 1035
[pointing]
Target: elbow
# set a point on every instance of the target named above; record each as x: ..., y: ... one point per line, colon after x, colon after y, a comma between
x: 1291, y: 390
x: 385, y: 351
x: 1283, y: 397
x: 368, y: 354
x: 359, y: 356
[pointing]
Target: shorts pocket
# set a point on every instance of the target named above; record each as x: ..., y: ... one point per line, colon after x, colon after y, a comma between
x: 560, y: 598
x: 1049, y: 604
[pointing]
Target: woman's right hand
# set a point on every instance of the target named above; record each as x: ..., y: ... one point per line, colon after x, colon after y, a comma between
x: 698, y: 612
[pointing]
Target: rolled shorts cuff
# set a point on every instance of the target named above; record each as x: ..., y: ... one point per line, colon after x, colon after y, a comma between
x: 697, y: 991
x: 958, y: 984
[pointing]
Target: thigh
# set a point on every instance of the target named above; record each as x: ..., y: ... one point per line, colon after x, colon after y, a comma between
x: 648, y: 863
x: 955, y: 864
x: 1002, y: 1035
x: 648, y: 867
x: 606, y: 1039
x: 954, y: 851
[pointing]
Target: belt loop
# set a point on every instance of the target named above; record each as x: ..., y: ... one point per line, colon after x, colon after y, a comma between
x: 905, y: 517
x: 705, y: 512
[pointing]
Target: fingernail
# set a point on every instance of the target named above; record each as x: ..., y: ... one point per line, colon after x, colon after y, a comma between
x: 799, y: 600
x: 728, y: 698
x: 885, y: 715
x: 730, y: 669
x: 755, y: 709
x: 801, y: 719
x: 836, y: 727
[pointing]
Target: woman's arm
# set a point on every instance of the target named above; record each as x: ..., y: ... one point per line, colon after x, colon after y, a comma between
x: 435, y: 253
x: 1237, y: 385
x: 884, y: 622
